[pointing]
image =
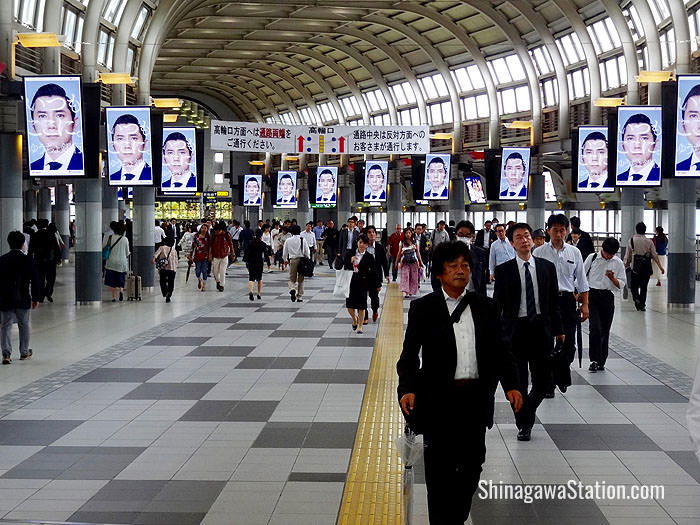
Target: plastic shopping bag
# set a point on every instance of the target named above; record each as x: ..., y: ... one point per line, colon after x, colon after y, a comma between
x: 342, y: 283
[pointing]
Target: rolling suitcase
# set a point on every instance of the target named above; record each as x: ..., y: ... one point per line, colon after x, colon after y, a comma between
x: 133, y: 287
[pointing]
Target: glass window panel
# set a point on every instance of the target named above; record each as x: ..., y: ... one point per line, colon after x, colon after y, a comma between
x: 405, y: 117
x: 501, y: 70
x: 515, y: 67
x: 435, y: 114
x: 586, y: 217
x: 131, y: 60
x: 671, y: 38
x: 579, y: 89
x: 622, y: 68
x: 446, y: 112
x: 633, y: 21
x: 113, y: 10
x: 482, y: 106
x: 476, y: 77
x: 462, y: 79
x: 440, y: 85
x: 79, y: 34
x: 586, y: 81
x: 140, y: 22
x: 410, y: 94
x: 522, y: 97
x: 612, y: 73
x: 612, y: 32
x: 28, y: 16
x: 664, y: 49
x: 543, y: 60
x: 600, y: 221
x: 399, y: 95
x: 429, y: 87
x: 662, y: 8
x: 571, y: 85
x: 567, y: 51
x: 469, y: 108
x: 102, y: 44
x: 70, y: 19
x: 415, y: 117
x: 110, y: 52
x: 508, y: 99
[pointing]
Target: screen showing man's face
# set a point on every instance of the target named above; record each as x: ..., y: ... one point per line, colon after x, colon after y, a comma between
x: 177, y: 157
x: 286, y: 187
x: 252, y: 190
x: 514, y: 172
x: 53, y: 122
x: 437, y: 174
x: 638, y: 143
x: 129, y: 143
x: 690, y: 125
x: 326, y: 183
x: 375, y: 180
x: 595, y: 157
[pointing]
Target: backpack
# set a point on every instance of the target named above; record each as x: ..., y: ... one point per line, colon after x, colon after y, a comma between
x: 641, y: 264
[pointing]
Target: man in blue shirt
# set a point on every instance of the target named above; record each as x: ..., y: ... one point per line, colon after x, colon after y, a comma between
x: 318, y: 233
x: 501, y: 250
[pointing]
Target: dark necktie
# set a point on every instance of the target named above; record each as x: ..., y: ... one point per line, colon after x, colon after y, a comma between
x: 459, y: 309
x: 511, y: 194
x: 128, y: 176
x: 529, y: 294
x: 54, y: 166
x: 595, y: 184
x: 637, y: 177
x: 697, y: 166
x: 178, y: 184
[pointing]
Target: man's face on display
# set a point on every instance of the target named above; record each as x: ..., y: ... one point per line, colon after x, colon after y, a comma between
x: 522, y: 241
x: 455, y: 274
x: 375, y: 180
x: 53, y: 123
x: 690, y: 125
x: 286, y: 186
x: 252, y: 189
x: 594, y: 156
x: 638, y: 143
x: 326, y: 183
x: 436, y: 174
x: 514, y: 172
x: 177, y: 157
x: 500, y: 232
x: 129, y: 143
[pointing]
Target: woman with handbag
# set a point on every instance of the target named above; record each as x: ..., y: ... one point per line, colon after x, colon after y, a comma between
x: 201, y: 256
x: 221, y: 247
x: 361, y: 262
x: 267, y: 239
x: 115, y: 252
x: 254, y: 258
x: 660, y: 241
x: 638, y: 256
x: 410, y: 263
x: 165, y: 260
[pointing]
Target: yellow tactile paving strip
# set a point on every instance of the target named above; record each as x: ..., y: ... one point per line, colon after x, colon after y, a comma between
x: 372, y: 491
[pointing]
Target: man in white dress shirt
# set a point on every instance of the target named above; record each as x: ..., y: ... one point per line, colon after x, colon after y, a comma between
x: 294, y: 249
x: 501, y: 250
x: 606, y: 274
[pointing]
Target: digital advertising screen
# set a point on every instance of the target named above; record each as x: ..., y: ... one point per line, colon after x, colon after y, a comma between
x: 376, y: 175
x: 129, y: 145
x: 129, y: 193
x: 286, y: 189
x: 437, y: 177
x: 179, y: 167
x: 639, y: 145
x: 687, y: 158
x: 592, y: 160
x: 515, y: 171
x: 475, y: 189
x: 326, y: 185
x: 252, y: 190
x: 53, y: 110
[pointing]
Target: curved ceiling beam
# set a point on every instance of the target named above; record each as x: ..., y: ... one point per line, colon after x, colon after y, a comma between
x: 651, y: 34
x: 576, y: 22
x: 286, y: 99
x: 681, y: 29
x: 222, y: 106
x: 300, y: 88
x: 516, y: 41
x: 629, y: 49
x: 236, y: 96
x: 91, y: 30
x: 121, y: 48
x: 540, y: 25
x: 256, y: 93
x: 479, y: 59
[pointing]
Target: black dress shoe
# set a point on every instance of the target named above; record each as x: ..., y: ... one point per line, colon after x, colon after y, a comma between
x: 593, y: 367
x: 49, y: 298
x: 524, y: 434
x: 600, y: 367
x: 293, y: 293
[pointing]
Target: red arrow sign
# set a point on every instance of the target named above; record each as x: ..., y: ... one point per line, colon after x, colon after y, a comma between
x: 342, y: 144
x: 300, y: 141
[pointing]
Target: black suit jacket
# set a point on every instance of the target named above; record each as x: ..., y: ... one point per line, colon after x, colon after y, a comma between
x: 507, y: 290
x: 480, y: 262
x: 585, y: 244
x: 18, y: 275
x: 381, y: 263
x: 429, y: 330
x: 480, y: 238
x: 343, y: 242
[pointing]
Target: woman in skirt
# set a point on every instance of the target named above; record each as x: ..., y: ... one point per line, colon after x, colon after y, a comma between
x: 361, y: 262
x: 117, y: 263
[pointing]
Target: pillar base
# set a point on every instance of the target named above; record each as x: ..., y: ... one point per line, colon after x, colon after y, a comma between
x: 680, y: 307
x: 88, y: 303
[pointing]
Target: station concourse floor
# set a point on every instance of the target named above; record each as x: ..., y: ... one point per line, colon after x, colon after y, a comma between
x: 215, y: 409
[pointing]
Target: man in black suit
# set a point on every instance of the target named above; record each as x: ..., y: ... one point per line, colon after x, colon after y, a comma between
x: 527, y: 293
x: 479, y: 256
x: 381, y: 262
x: 448, y: 395
x: 485, y: 237
x: 375, y: 185
x: 638, y: 142
x: 347, y: 240
x: 19, y: 293
x: 129, y: 142
x: 585, y: 243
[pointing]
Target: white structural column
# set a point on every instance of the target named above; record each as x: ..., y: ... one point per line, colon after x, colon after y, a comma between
x: 394, y: 200
x: 457, y: 188
x: 88, y: 242
x: 44, y: 209
x: 30, y: 204
x: 110, y: 203
x: 10, y: 186
x: 62, y: 217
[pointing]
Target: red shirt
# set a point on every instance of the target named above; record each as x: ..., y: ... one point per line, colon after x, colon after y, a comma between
x: 394, y: 241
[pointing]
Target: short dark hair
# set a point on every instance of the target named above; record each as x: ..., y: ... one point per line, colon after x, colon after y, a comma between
x: 487, y: 222
x: 127, y: 118
x: 177, y: 136
x: 517, y: 226
x: 353, y: 218
x: 575, y: 222
x: 16, y: 240
x: 295, y: 229
x: 515, y: 155
x: 557, y: 219
x: 639, y: 118
x: 285, y: 176
x: 640, y: 228
x: 596, y: 135
x: 52, y: 90
x: 464, y: 224
x: 253, y: 179
x: 441, y: 222
x: 436, y: 160
x: 363, y: 237
x: 611, y: 245
x: 370, y: 227
x: 694, y: 92
x: 118, y: 227
x: 375, y: 167
x: 327, y: 172
x: 446, y: 252
x: 310, y: 223
x: 500, y: 225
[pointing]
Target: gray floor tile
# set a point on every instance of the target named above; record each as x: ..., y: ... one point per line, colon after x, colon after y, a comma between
x: 252, y: 411
x: 191, y: 491
x: 209, y: 411
x: 223, y: 320
x: 318, y: 476
x: 315, y: 334
x: 256, y: 363
x: 242, y: 305
x: 170, y: 391
x: 332, y: 376
x: 640, y: 394
x: 124, y: 490
x: 170, y: 518
x: 282, y: 435
x: 221, y: 351
x: 315, y: 315
x: 279, y: 309
x: 104, y: 517
x: 353, y: 341
x: 178, y: 341
x: 331, y: 435
x: 119, y: 375
x: 688, y: 461
x: 255, y: 326
x: 28, y: 432
x: 599, y: 437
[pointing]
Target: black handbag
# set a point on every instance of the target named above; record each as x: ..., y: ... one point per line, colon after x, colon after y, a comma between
x: 641, y: 264
x: 306, y: 267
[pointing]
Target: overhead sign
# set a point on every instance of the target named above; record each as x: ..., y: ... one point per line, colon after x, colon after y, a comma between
x: 334, y: 140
